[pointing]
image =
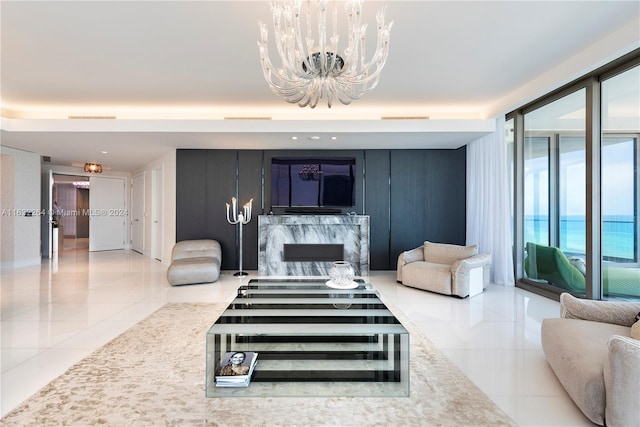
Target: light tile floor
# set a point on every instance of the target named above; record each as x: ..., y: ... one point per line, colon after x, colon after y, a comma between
x: 55, y: 314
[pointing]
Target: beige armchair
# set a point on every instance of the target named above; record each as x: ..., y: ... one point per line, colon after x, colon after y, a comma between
x: 593, y: 349
x: 445, y: 269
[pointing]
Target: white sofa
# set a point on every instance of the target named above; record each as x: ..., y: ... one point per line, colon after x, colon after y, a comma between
x: 445, y: 269
x: 194, y: 261
x: 590, y: 350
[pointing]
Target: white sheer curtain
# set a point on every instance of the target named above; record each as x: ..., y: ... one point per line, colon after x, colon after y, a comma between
x: 488, y: 212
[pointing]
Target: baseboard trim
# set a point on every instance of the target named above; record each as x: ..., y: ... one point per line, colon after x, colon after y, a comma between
x: 9, y: 265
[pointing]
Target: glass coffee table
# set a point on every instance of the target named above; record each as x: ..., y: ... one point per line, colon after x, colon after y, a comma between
x: 311, y: 340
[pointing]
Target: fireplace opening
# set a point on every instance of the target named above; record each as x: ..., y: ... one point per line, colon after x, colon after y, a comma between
x: 313, y: 252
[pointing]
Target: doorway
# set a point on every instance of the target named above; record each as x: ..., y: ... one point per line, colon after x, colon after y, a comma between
x: 70, y: 201
x: 89, y: 213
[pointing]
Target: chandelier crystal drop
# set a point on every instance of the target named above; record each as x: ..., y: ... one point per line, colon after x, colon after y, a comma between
x: 313, y: 63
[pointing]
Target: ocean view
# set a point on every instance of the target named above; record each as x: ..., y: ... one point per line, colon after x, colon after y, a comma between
x: 618, y: 234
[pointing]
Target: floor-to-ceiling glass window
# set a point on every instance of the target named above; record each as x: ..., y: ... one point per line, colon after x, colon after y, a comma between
x: 572, y: 206
x: 620, y: 183
x: 576, y: 184
x: 536, y: 184
x: 554, y: 193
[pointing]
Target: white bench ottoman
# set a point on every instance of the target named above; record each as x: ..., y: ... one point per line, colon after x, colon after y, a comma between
x: 194, y: 261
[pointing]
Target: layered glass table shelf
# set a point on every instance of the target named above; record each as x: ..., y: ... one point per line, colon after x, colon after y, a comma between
x: 311, y: 340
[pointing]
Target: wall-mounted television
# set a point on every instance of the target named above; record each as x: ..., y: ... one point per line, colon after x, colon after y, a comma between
x: 313, y: 182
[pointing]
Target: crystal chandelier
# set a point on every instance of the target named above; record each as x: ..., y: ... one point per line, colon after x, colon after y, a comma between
x: 313, y: 66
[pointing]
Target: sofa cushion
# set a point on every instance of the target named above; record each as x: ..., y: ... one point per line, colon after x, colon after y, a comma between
x: 197, y: 248
x: 428, y: 276
x: 622, y: 381
x: 443, y: 253
x: 616, y: 312
x: 414, y: 255
x: 576, y: 351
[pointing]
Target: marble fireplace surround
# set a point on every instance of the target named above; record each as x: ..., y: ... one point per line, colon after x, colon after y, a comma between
x: 325, y: 231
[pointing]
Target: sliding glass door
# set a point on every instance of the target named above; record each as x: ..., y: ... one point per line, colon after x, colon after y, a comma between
x: 620, y: 183
x: 554, y: 194
x: 536, y: 194
x: 572, y: 207
x: 577, y: 188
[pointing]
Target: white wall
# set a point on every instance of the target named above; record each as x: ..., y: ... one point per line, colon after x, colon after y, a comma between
x: 167, y: 164
x: 20, y: 192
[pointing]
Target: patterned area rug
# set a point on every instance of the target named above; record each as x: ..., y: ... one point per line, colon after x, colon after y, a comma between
x: 153, y: 374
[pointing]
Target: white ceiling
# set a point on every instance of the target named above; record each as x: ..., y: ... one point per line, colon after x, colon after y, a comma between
x: 171, y: 71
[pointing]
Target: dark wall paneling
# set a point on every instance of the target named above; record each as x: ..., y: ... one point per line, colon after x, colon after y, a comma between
x: 191, y: 191
x: 250, y: 186
x: 377, y: 207
x: 205, y: 181
x: 221, y: 176
x: 410, y: 196
x: 448, y: 208
x: 409, y: 219
x: 428, y: 198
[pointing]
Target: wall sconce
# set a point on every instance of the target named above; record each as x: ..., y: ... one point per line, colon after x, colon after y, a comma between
x: 92, y: 167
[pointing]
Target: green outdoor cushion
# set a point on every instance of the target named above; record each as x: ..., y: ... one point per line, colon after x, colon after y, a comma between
x: 550, y: 263
x: 621, y: 281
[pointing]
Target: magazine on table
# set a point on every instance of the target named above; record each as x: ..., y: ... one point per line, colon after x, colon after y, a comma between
x: 236, y: 369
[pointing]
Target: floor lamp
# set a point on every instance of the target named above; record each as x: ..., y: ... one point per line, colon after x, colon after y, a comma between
x: 239, y: 217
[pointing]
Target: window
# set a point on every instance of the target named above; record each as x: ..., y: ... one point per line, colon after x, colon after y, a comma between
x: 620, y: 183
x: 536, y: 194
x: 572, y: 192
x: 554, y: 192
x: 577, y: 171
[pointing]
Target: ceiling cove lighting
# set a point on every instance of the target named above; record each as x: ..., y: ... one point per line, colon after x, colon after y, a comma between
x: 312, y: 63
x: 92, y: 168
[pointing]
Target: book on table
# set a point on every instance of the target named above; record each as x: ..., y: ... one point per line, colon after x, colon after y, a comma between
x: 236, y: 369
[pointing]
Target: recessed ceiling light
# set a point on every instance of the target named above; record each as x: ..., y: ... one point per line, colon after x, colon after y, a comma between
x: 104, y: 152
x: 334, y: 138
x: 314, y: 138
x: 294, y: 137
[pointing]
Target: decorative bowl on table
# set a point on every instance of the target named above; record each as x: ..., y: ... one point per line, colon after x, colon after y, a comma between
x: 341, y: 276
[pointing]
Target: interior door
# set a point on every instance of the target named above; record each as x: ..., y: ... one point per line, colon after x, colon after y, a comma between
x: 108, y: 214
x: 156, y: 214
x: 137, y: 213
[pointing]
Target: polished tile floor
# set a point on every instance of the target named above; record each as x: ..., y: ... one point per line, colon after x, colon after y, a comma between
x: 55, y: 314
